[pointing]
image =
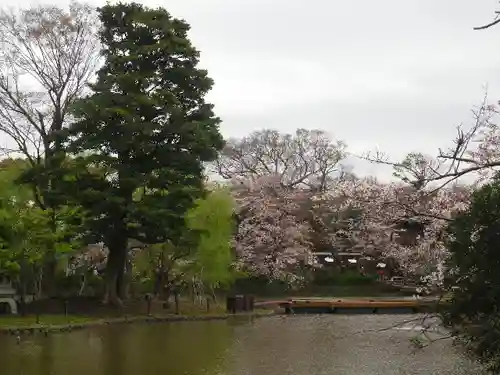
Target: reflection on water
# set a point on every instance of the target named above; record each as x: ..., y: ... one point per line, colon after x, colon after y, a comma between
x: 283, y: 345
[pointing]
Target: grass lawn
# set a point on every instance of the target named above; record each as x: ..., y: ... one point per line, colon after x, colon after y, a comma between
x: 44, y: 320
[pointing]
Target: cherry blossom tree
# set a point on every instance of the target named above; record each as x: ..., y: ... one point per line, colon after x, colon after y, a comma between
x: 473, y: 158
x: 275, y: 232
x: 405, y: 220
x: 272, y: 238
x: 399, y: 221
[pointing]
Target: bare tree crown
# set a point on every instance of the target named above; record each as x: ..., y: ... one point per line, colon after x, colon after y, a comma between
x: 47, y: 56
x: 307, y: 158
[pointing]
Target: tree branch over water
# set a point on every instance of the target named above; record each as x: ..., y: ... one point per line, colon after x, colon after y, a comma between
x: 423, y: 337
x: 474, y: 152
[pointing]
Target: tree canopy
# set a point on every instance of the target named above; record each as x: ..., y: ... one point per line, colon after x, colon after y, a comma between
x: 26, y: 235
x: 474, y: 263
x: 146, y: 125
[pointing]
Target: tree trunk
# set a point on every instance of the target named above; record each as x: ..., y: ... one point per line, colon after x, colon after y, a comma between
x: 50, y: 261
x: 121, y: 282
x: 193, y: 292
x: 159, y: 283
x: 110, y: 294
x: 38, y: 282
x: 167, y: 292
x: 49, y: 272
x: 23, y: 296
x: 115, y: 269
x: 213, y: 295
x: 83, y: 282
x: 127, y: 280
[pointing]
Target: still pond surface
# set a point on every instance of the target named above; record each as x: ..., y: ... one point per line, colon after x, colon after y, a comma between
x: 280, y: 345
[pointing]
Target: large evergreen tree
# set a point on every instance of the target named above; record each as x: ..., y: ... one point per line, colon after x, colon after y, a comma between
x: 148, y: 127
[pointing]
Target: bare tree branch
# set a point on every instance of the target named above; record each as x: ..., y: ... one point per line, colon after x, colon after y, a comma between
x: 474, y: 151
x: 307, y: 158
x: 495, y: 21
x: 47, y: 57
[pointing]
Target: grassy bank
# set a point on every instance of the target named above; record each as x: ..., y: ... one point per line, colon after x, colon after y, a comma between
x: 10, y: 321
x: 54, y: 319
x: 57, y: 323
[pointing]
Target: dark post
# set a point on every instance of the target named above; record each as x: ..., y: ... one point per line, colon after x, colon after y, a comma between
x: 65, y: 307
x: 231, y: 304
x: 248, y: 303
x: 240, y: 303
x: 208, y: 305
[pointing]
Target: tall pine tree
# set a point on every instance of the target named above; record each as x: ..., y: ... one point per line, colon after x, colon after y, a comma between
x: 147, y: 129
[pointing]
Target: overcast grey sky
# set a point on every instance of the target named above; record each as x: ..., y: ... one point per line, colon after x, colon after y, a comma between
x: 394, y: 74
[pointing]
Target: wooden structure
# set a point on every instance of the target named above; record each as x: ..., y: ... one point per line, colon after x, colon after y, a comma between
x: 8, y: 304
x: 348, y: 306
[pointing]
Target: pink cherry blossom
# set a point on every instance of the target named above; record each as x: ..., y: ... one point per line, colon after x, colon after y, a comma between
x: 384, y: 206
x: 274, y: 234
x: 272, y: 237
x: 361, y: 214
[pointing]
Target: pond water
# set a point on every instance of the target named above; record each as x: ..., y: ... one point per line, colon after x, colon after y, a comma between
x: 279, y: 345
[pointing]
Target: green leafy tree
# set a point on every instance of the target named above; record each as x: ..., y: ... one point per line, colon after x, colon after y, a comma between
x: 162, y: 267
x: 58, y: 49
x: 26, y: 235
x: 148, y: 126
x: 213, y: 220
x: 17, y: 214
x: 201, y: 259
x: 10, y: 169
x: 475, y: 275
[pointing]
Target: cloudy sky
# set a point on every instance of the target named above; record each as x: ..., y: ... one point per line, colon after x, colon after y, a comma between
x: 397, y: 75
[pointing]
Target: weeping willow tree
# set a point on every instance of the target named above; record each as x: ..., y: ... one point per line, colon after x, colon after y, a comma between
x: 201, y: 260
x: 212, y: 218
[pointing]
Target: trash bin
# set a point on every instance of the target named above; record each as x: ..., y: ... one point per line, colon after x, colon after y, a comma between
x: 230, y: 304
x: 235, y: 303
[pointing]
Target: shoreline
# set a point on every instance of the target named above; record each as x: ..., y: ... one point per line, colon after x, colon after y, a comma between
x: 69, y: 327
